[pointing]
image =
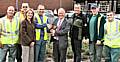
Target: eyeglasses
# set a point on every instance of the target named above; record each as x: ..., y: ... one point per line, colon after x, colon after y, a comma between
x: 24, y: 7
x: 110, y: 15
x: 93, y: 8
x: 41, y: 9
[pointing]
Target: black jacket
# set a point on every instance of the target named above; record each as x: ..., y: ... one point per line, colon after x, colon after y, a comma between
x: 78, y: 32
x: 101, y: 28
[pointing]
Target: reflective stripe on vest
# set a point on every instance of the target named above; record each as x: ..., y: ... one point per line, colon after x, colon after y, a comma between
x: 38, y: 30
x: 20, y: 16
x: 10, y: 31
x: 98, y: 26
x: 112, y: 39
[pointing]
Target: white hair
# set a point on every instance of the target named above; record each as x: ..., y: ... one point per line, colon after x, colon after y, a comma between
x: 61, y: 9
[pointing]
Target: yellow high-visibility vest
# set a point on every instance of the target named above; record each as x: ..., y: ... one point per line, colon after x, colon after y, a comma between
x: 112, y: 34
x: 20, y: 16
x: 9, y: 30
x: 38, y: 30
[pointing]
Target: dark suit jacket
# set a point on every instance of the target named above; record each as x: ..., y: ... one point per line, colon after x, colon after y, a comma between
x: 62, y: 34
x: 101, y: 28
x: 27, y: 33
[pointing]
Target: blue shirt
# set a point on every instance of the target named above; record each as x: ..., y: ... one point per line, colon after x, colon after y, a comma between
x: 42, y: 26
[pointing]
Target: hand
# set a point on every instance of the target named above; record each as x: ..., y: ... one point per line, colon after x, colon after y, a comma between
x: 54, y: 27
x: 49, y: 26
x: 51, y: 30
x: 32, y: 44
x: 1, y: 45
x: 85, y: 41
x: 98, y: 42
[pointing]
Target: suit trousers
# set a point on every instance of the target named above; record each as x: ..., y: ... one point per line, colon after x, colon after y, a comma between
x: 59, y: 53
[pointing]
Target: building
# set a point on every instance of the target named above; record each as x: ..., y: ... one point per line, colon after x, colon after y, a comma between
x: 49, y: 4
x: 105, y: 5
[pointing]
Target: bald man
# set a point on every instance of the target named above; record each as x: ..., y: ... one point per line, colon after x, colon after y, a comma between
x: 10, y: 35
x: 61, y: 37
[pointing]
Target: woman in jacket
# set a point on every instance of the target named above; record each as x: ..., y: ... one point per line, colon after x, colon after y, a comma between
x: 27, y: 35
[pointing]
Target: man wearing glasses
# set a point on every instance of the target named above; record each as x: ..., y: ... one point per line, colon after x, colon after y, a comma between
x: 112, y: 38
x: 21, y: 13
x: 20, y: 17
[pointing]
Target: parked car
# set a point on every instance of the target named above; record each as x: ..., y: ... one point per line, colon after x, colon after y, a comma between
x: 50, y: 15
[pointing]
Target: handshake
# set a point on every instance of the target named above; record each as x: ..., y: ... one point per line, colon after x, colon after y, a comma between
x: 52, y: 28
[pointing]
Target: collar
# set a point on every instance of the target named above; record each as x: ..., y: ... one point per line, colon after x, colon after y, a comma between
x: 61, y: 19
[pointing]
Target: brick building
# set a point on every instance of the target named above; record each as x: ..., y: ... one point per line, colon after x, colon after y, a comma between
x: 49, y: 4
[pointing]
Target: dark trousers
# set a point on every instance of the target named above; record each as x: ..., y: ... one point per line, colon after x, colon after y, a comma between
x: 59, y: 53
x: 95, y: 51
x: 19, y: 53
x: 76, y: 47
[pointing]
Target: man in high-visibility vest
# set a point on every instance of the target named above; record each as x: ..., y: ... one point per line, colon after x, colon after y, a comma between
x: 41, y: 34
x: 21, y: 13
x: 1, y: 46
x: 21, y: 16
x: 9, y: 30
x: 112, y: 38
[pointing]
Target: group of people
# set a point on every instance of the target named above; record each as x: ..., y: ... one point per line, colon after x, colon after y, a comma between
x: 24, y: 34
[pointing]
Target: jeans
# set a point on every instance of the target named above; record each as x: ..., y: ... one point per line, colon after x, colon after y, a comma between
x: 1, y: 54
x: 111, y: 54
x: 95, y: 51
x: 12, y: 53
x: 40, y: 51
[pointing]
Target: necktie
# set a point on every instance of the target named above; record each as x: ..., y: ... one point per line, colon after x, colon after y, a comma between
x: 59, y: 25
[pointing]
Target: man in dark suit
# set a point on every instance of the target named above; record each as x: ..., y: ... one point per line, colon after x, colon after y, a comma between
x: 61, y: 37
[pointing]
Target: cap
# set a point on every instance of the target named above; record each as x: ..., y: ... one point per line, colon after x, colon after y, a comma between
x: 94, y: 6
